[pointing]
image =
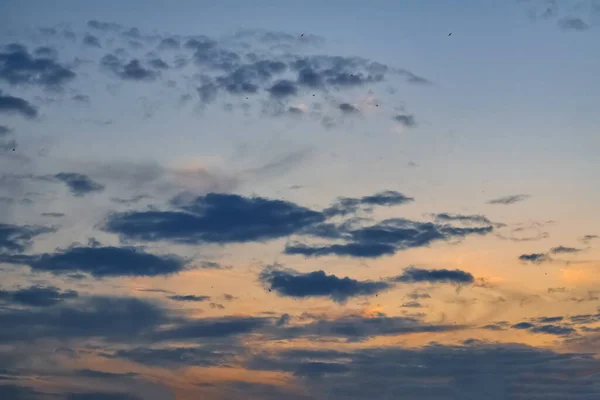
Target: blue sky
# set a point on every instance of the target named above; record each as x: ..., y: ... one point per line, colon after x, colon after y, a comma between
x: 240, y: 200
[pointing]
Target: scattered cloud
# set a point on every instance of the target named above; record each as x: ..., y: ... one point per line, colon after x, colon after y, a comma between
x: 37, y: 296
x: 573, y: 24
x: 536, y: 258
x: 189, y: 297
x: 19, y: 67
x: 405, y: 120
x: 564, y: 250
x: 216, y: 218
x: 508, y: 200
x: 16, y: 105
x: 79, y: 184
x: 417, y: 275
x: 287, y: 282
x: 103, y: 262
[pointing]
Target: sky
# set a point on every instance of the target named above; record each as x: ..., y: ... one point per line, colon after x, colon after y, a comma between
x: 306, y: 200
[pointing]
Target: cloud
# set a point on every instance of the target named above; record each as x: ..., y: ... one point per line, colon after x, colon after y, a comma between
x: 18, y: 238
x: 102, y: 396
x: 318, y: 284
x: 189, y: 297
x: 102, y: 262
x: 37, y: 296
x: 91, y: 41
x: 537, y: 258
x: 507, y: 200
x: 573, y: 24
x: 211, y: 328
x: 79, y: 184
x: 5, y: 130
x: 282, y: 89
x: 439, y: 372
x: 347, y: 205
x: 445, y: 217
x: 348, y: 108
x: 548, y: 329
x: 361, y: 250
x: 18, y: 67
x: 417, y: 275
x: 564, y: 250
x: 557, y: 290
x: 385, y: 238
x: 418, y: 296
x: 103, y: 26
x: 204, y: 356
x: 10, y: 105
x: 588, y: 238
x: 132, y: 70
x: 216, y: 218
x: 108, y: 318
x: 411, y: 304
x: 406, y: 120
x: 356, y: 327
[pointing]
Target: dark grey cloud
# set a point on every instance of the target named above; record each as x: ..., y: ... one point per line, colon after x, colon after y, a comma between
x: 5, y: 130
x: 18, y: 238
x: 589, y: 238
x: 418, y: 296
x: 52, y: 214
x: 523, y: 325
x: 549, y: 329
x: 507, y: 200
x: 189, y: 297
x: 16, y: 105
x: 103, y: 262
x: 348, y: 108
x: 79, y: 184
x: 81, y: 98
x: 158, y: 63
x: 564, y: 250
x: 211, y: 328
x: 16, y: 392
x: 19, y: 67
x: 128, y: 70
x: 436, y: 372
x: 348, y: 205
x: 205, y: 356
x: 446, y: 217
x: 493, y: 327
x: 406, y: 120
x: 584, y: 319
x: 283, y: 88
x: 169, y: 44
x: 216, y: 218
x: 360, y: 250
x: 411, y: 304
x: 91, y: 41
x: 546, y: 320
x: 108, y: 318
x: 573, y: 24
x: 102, y: 396
x: 355, y: 327
x: 103, y: 26
x: 37, y: 296
x: 535, y: 258
x: 417, y: 275
x: 385, y: 238
x: 287, y: 282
